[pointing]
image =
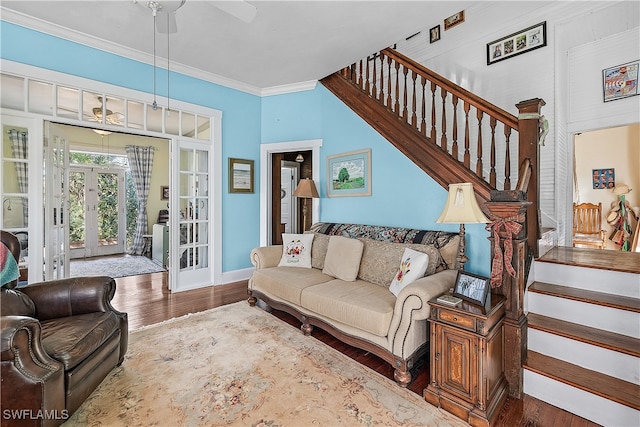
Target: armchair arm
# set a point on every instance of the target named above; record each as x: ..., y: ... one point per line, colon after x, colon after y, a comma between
x: 31, y: 379
x: 72, y: 296
x: 412, y: 306
x: 266, y: 256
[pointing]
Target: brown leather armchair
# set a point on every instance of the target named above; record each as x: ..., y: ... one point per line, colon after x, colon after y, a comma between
x: 60, y: 339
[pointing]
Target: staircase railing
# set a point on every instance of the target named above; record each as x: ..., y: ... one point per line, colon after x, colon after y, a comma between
x: 483, y: 138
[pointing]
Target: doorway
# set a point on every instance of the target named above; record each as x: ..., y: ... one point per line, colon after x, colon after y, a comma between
x: 289, y: 172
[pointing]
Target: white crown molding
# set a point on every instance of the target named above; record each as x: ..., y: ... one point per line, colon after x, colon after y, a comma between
x: 289, y: 88
x: 117, y: 49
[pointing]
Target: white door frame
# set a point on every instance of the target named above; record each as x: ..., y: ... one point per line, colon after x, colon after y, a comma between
x: 266, y: 151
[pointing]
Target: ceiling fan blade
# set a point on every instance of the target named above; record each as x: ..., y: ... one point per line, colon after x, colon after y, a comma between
x: 166, y: 22
x: 242, y: 10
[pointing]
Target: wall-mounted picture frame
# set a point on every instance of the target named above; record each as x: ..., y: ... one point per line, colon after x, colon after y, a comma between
x: 620, y: 81
x: 517, y: 43
x: 453, y: 20
x: 434, y: 34
x: 472, y: 288
x: 240, y: 175
x: 604, y: 178
x: 349, y: 174
x: 164, y: 192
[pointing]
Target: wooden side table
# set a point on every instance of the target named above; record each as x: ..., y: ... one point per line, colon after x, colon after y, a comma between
x: 467, y: 360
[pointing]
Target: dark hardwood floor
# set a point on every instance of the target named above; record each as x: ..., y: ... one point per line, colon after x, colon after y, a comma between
x: 147, y: 300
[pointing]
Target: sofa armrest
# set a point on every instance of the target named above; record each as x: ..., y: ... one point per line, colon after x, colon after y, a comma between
x: 70, y: 297
x: 266, y: 256
x: 408, y: 326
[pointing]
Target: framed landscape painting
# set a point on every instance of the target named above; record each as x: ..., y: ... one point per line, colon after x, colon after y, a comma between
x: 349, y: 174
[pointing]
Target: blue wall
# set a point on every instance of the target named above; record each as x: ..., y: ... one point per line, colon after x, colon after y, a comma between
x: 402, y: 194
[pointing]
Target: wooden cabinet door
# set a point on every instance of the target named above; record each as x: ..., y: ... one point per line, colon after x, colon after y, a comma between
x: 458, y: 362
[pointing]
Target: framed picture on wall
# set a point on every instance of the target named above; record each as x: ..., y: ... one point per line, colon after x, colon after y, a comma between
x: 603, y: 178
x: 164, y: 192
x: 620, y: 81
x: 240, y: 176
x: 517, y: 43
x: 349, y: 174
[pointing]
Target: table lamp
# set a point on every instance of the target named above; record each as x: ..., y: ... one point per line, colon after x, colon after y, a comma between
x: 462, y: 208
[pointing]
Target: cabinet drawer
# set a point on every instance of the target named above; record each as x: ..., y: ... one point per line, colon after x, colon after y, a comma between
x: 457, y: 319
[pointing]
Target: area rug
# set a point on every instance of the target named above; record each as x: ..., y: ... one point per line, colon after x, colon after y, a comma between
x: 240, y: 366
x: 114, y: 266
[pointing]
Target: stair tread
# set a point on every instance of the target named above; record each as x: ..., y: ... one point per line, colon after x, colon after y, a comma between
x: 594, y: 258
x: 584, y: 295
x: 608, y: 387
x: 599, y: 337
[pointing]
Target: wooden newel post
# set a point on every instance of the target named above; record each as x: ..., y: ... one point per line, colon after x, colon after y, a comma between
x: 529, y: 130
x: 510, y: 262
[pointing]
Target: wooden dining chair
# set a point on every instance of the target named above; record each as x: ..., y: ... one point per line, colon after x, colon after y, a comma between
x: 587, y: 225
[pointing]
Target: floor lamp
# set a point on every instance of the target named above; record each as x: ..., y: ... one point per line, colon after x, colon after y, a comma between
x: 462, y: 208
x: 307, y: 190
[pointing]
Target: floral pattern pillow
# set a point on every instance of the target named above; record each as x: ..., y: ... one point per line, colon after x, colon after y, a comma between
x: 296, y: 250
x: 412, y: 267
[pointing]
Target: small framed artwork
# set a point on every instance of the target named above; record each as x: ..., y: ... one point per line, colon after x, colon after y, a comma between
x: 517, y: 43
x: 240, y: 176
x: 164, y: 192
x: 349, y: 174
x: 434, y: 34
x: 604, y: 179
x: 472, y: 288
x: 620, y: 81
x: 453, y: 20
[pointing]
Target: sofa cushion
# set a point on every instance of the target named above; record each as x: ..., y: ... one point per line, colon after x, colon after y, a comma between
x: 16, y: 303
x: 287, y: 283
x: 359, y: 304
x: 319, y: 250
x: 412, y: 267
x: 380, y: 260
x: 296, y: 250
x: 343, y: 258
x: 72, y: 339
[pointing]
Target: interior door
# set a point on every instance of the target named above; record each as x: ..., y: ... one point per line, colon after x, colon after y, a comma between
x: 190, y: 230
x: 288, y: 202
x: 56, y: 205
x: 97, y: 211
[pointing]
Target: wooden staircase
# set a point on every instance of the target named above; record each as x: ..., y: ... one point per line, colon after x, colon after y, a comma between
x: 584, y: 334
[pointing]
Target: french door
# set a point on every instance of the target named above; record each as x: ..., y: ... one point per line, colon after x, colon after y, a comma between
x: 97, y: 223
x: 191, y: 233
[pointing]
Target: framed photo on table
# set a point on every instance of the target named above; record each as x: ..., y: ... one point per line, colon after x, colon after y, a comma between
x: 472, y: 288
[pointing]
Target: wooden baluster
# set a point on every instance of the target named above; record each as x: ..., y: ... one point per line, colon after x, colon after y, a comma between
x: 414, y: 116
x: 433, y: 112
x: 367, y: 85
x: 467, y: 143
x: 389, y: 104
x: 396, y: 107
x: 492, y: 173
x: 479, y: 114
x: 423, y: 125
x: 507, y: 159
x: 443, y: 139
x: 361, y: 75
x: 376, y: 96
x: 454, y: 147
x: 405, y: 110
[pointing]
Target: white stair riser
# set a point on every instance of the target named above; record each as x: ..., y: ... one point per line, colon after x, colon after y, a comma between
x: 595, y: 316
x: 611, y: 282
x: 608, y: 362
x: 579, y: 402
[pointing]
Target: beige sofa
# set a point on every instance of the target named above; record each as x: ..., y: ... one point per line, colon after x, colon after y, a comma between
x: 362, y: 312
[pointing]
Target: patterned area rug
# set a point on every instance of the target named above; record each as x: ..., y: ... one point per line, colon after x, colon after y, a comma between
x: 240, y: 366
x: 114, y: 266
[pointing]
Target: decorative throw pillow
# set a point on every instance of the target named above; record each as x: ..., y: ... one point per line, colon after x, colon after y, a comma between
x: 343, y: 258
x: 296, y: 250
x: 412, y: 267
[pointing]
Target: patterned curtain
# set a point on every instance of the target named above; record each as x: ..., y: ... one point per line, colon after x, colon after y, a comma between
x: 140, y: 163
x: 19, y: 146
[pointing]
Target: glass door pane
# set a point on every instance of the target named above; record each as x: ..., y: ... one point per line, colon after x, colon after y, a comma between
x: 77, y: 213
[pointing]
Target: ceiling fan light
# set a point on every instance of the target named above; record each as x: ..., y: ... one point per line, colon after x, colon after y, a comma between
x: 102, y: 132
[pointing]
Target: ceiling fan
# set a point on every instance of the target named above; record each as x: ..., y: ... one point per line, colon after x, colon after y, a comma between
x: 165, y: 11
x: 110, y: 117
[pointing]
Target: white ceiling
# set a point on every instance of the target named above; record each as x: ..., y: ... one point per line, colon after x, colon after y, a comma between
x: 289, y: 42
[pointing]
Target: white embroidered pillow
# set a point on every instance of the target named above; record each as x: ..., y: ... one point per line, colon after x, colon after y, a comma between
x: 412, y: 267
x: 296, y: 250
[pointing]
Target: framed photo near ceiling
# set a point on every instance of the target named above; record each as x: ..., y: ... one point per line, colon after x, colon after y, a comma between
x: 349, y: 174
x: 240, y: 176
x: 620, y: 81
x: 471, y: 287
x: 453, y: 20
x: 517, y: 43
x: 434, y: 34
